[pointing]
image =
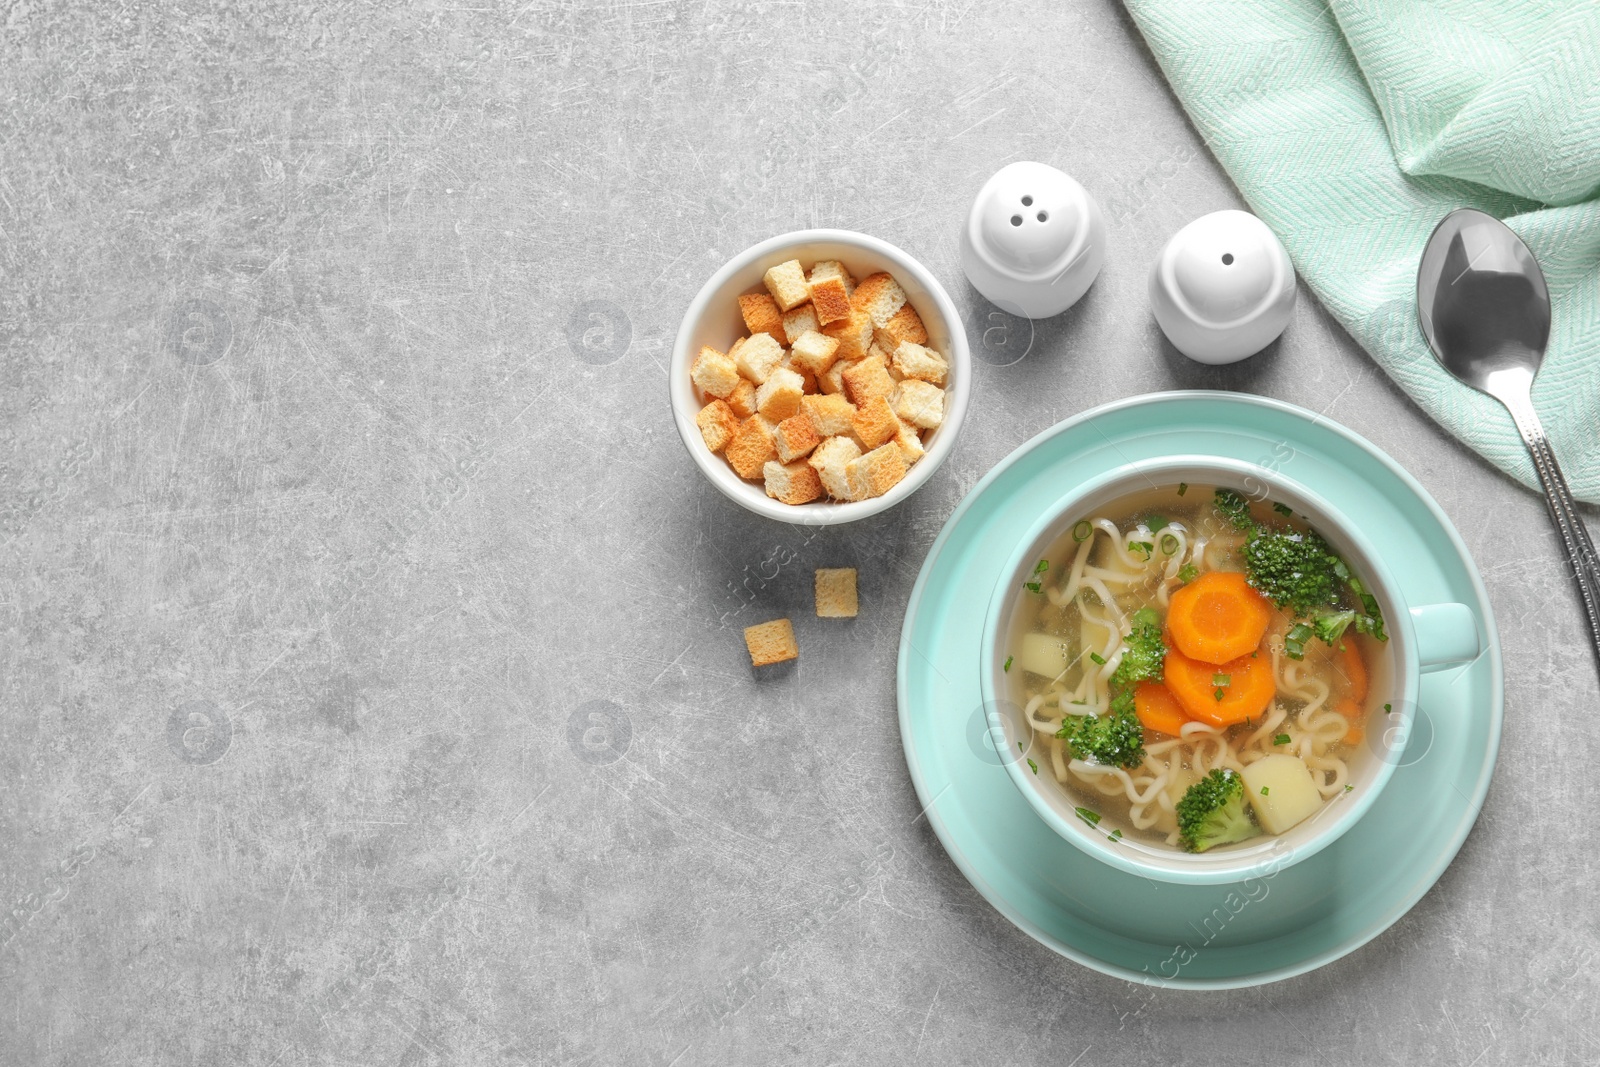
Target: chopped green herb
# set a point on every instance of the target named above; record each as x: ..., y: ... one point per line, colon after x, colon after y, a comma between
x: 1116, y: 835
x: 1020, y: 748
x: 1183, y: 487
x: 1080, y: 703
x: 1232, y: 505
x: 1007, y: 667
x: 1387, y: 710
x: 1042, y: 566
x: 1188, y: 573
x: 1294, y: 643
x: 1098, y: 658
x: 1082, y: 531
x: 1348, y: 788
x: 1265, y: 791
x: 1158, y: 523
x: 1281, y: 739
x: 1088, y: 815
x: 1219, y: 693
x: 1032, y: 587
x: 1169, y: 545
x: 1142, y: 546
x: 1034, y: 765
x: 1283, y: 509
x: 1220, y: 679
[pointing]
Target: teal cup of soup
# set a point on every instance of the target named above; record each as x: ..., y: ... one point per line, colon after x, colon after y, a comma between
x: 1201, y: 672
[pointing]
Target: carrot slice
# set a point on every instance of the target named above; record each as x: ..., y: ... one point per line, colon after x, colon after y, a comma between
x: 1157, y: 709
x: 1218, y: 617
x: 1357, y: 715
x: 1353, y: 669
x: 1249, y: 689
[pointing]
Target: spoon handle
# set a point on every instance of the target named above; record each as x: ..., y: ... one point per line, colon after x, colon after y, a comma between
x: 1563, y: 509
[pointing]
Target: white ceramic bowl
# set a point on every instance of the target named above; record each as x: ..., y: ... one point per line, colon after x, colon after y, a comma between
x: 713, y: 319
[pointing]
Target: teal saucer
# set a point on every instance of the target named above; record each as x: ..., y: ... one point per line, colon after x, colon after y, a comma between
x: 1202, y: 937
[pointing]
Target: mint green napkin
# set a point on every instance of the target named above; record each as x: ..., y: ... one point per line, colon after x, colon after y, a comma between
x: 1351, y: 129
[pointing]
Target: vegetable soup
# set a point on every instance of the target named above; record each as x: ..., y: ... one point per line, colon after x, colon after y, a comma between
x: 1196, y: 668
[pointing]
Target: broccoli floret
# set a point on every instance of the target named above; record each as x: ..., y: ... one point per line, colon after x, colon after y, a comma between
x: 1232, y: 505
x: 1295, y: 570
x: 1115, y: 739
x: 1143, y: 651
x: 1331, y: 627
x: 1213, y: 812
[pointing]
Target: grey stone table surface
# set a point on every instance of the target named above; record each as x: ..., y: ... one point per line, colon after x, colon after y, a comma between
x: 374, y: 690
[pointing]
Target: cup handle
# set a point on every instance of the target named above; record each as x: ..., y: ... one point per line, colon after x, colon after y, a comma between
x: 1447, y: 634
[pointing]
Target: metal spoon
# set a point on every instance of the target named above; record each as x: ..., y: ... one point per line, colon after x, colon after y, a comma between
x: 1485, y: 310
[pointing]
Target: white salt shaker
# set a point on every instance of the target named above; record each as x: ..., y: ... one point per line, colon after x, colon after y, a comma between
x: 1033, y: 241
x: 1223, y: 287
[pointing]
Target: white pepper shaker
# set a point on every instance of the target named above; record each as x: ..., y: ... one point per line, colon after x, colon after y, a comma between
x: 1223, y: 287
x: 1034, y: 240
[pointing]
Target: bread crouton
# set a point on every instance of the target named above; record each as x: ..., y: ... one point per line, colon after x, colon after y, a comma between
x: 832, y: 379
x: 798, y: 321
x: 909, y: 438
x: 751, y: 447
x: 830, y: 300
x: 877, y: 351
x: 919, y: 403
x: 875, y: 422
x: 795, y: 437
x: 875, y: 473
x: 831, y: 460
x: 854, y: 335
x: 814, y: 351
x: 794, y: 483
x: 762, y: 315
x: 905, y: 325
x: 758, y: 357
x: 836, y: 593
x: 831, y: 415
x: 787, y: 284
x: 832, y: 268
x: 924, y: 364
x: 717, y: 424
x: 771, y: 642
x: 779, y: 397
x: 714, y: 372
x: 742, y: 401
x: 880, y: 296
x: 867, y: 379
